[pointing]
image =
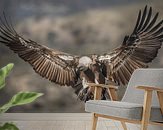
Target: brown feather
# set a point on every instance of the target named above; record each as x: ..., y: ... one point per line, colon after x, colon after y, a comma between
x: 138, y: 49
x: 45, y: 61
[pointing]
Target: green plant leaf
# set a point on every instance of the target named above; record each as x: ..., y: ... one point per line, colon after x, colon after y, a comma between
x: 8, y: 126
x: 4, y: 73
x: 20, y: 98
x: 24, y: 98
x: 5, y: 107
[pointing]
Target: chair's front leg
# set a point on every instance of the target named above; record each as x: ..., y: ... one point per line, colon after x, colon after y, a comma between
x: 94, y: 121
x: 160, y: 98
x: 97, y: 93
x: 146, y: 109
x: 97, y: 96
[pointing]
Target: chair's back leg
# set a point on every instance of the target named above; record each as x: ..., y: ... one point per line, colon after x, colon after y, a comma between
x: 114, y: 97
x: 146, y: 109
x: 124, y: 125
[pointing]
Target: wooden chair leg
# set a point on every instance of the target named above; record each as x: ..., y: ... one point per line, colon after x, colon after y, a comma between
x: 94, y: 121
x: 146, y: 110
x: 97, y: 93
x: 113, y: 94
x: 124, y: 125
x: 160, y: 98
x: 97, y: 96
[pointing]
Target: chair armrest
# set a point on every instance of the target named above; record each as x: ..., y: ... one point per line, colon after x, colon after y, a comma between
x: 147, y: 88
x: 98, y: 89
x: 148, y: 101
x: 102, y: 86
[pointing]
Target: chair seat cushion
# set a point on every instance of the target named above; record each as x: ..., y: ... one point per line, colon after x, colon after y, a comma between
x: 131, y: 111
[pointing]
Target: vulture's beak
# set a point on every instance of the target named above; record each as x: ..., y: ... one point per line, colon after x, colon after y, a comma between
x: 82, y: 68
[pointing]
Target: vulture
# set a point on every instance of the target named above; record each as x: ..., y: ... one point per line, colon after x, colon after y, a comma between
x: 136, y: 51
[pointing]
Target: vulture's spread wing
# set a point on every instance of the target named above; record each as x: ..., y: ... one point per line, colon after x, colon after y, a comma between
x: 137, y: 49
x: 54, y: 65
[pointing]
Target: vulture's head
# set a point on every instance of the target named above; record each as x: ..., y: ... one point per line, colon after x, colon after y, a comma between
x: 84, y: 63
x: 83, y: 66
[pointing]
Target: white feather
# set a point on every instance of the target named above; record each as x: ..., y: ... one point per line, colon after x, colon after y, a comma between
x: 84, y: 83
x: 65, y: 57
x: 85, y: 60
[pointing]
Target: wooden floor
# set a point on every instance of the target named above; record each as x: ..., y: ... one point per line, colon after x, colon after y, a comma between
x: 57, y: 121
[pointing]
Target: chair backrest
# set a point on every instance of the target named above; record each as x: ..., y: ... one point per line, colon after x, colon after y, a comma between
x: 143, y: 77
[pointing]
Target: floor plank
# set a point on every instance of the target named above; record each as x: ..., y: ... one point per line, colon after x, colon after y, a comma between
x: 57, y: 121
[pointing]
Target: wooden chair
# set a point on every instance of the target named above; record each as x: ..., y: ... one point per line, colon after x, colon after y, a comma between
x: 137, y: 106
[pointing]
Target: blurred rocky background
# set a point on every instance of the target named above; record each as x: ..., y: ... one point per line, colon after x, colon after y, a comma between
x: 74, y: 26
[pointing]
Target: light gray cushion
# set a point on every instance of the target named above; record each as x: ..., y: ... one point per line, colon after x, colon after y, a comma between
x: 151, y: 77
x: 121, y: 109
